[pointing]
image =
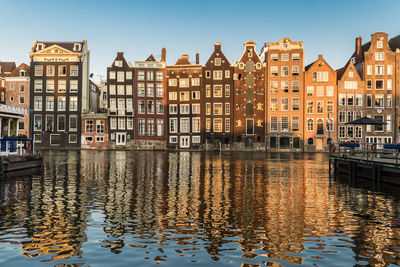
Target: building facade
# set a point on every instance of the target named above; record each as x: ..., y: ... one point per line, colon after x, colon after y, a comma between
x: 59, y: 92
x: 94, y: 131
x: 120, y: 103
x: 217, y: 101
x: 184, y: 88
x: 351, y: 104
x: 150, y: 102
x: 17, y: 92
x: 285, y: 90
x: 320, y: 103
x: 249, y: 100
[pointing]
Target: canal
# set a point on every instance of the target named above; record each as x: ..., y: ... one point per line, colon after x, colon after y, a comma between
x: 123, y: 208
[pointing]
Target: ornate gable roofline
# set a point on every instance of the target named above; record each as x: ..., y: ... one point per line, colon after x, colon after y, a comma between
x: 250, y: 43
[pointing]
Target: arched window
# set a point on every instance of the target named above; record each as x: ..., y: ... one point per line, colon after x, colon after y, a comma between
x: 249, y: 66
x: 320, y: 126
x: 249, y: 79
x: 249, y: 109
x: 310, y: 141
x: 310, y: 125
x: 249, y: 93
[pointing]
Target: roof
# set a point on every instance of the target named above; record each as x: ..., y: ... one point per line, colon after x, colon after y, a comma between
x: 183, y: 60
x: 7, y: 66
x: 394, y: 43
x: 66, y: 45
x: 365, y: 121
x: 22, y: 66
x: 309, y: 65
x: 151, y: 58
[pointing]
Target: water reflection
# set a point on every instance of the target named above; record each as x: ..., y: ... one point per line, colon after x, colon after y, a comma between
x: 119, y: 208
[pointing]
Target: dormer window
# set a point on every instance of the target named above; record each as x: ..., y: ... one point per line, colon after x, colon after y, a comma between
x: 39, y: 47
x: 118, y: 63
x: 77, y: 47
x: 22, y: 73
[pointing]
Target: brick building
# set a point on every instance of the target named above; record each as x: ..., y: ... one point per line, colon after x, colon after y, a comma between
x: 249, y: 100
x: 150, y: 103
x: 217, y: 102
x: 120, y: 103
x: 59, y: 92
x: 94, y: 131
x: 350, y: 103
x: 184, y: 88
x: 285, y: 90
x: 320, y: 99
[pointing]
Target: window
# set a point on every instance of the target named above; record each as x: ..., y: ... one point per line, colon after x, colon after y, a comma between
x: 295, y: 70
x: 39, y: 70
x: 295, y: 86
x: 172, y: 82
x: 208, y: 74
x: 208, y: 90
x: 320, y: 76
x: 227, y: 74
x: 295, y: 123
x: 379, y: 99
x: 150, y: 107
x: 369, y: 84
x: 295, y: 56
x: 274, y: 87
x: 227, y: 108
x: 184, y: 96
x: 22, y: 100
x: 49, y: 123
x: 129, y: 89
x: 50, y: 86
x: 61, y: 123
x: 390, y: 69
x: 320, y: 91
x: 389, y: 84
x: 379, y: 85
x: 217, y: 125
x: 217, y: 89
x: 21, y: 88
x: 112, y: 89
x: 160, y: 127
x: 11, y: 99
x: 358, y: 100
x: 379, y: 56
x: 73, y: 86
x: 379, y: 128
x: 310, y: 107
x: 217, y: 109
x: 173, y: 96
x: 369, y: 101
x: 150, y: 127
x: 274, y: 71
x: 37, y: 120
x: 37, y: 138
x: 128, y: 75
x: 150, y: 89
x: 159, y: 107
x: 350, y: 100
x: 208, y: 124
x: 208, y: 108
x: 310, y: 90
x: 320, y: 107
x: 310, y: 125
x: 159, y: 76
x: 196, y: 95
x: 113, y: 123
x: 389, y: 101
x: 342, y: 132
x: 285, y: 71
x: 329, y: 106
x: 62, y: 86
x: 140, y: 76
x: 121, y: 123
x: 196, y: 124
x: 350, y: 131
x: 195, y: 81
x: 142, y: 127
x: 217, y: 75
x: 274, y: 57
x: 379, y: 70
x: 350, y: 85
x: 274, y: 104
x: 37, y: 103
x: 50, y: 70
x: 351, y: 74
x: 61, y: 102
x: 150, y: 75
x: 141, y: 89
x: 159, y: 90
x: 274, y: 124
x: 184, y: 109
x: 330, y: 91
x: 38, y: 86
x: 113, y: 104
x: 284, y: 124
x: 74, y: 70
x: 73, y: 139
x: 100, y: 128
x: 358, y: 132
x: 388, y: 123
x: 184, y: 82
x: 369, y: 69
x: 73, y: 103
x: 62, y: 70
x: 50, y: 103
x: 227, y: 125
x: 285, y: 104
x: 379, y: 44
x: 185, y: 125
x: 295, y: 104
x: 285, y: 57
x: 285, y: 86
x: 55, y: 139
x: 173, y: 109
x: 173, y: 139
x: 112, y: 75
x: 196, y: 108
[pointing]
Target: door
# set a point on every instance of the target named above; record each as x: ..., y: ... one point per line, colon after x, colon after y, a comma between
x: 184, y: 142
x: 121, y: 139
x: 318, y: 144
x: 249, y: 126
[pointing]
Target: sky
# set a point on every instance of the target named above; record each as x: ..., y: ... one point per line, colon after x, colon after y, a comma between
x: 141, y: 28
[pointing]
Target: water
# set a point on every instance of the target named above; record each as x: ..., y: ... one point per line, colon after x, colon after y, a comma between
x: 120, y: 208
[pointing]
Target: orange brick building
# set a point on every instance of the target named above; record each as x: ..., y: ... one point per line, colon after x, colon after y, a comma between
x: 249, y: 99
x: 320, y: 99
x: 285, y: 89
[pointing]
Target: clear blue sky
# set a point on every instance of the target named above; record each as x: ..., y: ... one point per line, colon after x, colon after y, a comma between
x: 140, y: 28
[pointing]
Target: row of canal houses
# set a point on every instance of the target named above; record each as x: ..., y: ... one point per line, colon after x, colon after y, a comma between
x: 268, y: 100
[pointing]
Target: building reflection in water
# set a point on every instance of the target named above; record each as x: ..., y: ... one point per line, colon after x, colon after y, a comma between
x: 246, y: 208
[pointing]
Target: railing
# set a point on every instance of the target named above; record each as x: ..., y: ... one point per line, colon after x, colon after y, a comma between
x: 16, y: 146
x: 369, y: 151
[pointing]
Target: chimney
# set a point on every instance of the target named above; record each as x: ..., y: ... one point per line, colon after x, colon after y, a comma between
x: 120, y: 54
x: 197, y: 58
x: 358, y: 47
x: 217, y: 45
x: 265, y: 44
x: 319, y: 56
x: 163, y: 54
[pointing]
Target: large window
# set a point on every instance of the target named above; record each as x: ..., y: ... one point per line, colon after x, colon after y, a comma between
x: 295, y: 123
x: 37, y: 122
x: 274, y: 104
x: 61, y: 124
x: 185, y: 125
x: 50, y: 103
x: 274, y: 124
x: 173, y: 125
x: 73, y: 86
x: 73, y: 123
x: 285, y: 124
x: 37, y: 103
x: 61, y: 103
x: 142, y: 127
x: 217, y: 125
x: 217, y: 90
x: 89, y: 126
x: 73, y: 103
x: 196, y: 124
